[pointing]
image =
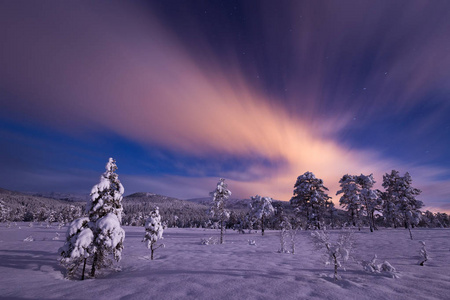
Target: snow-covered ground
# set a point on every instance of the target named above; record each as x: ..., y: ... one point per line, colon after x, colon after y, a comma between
x: 186, y: 269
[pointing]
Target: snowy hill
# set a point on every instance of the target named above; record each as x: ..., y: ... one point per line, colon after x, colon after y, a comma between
x: 70, y: 197
x: 25, y: 207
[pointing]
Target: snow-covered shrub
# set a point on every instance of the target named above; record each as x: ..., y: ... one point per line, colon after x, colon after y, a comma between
x: 383, y: 268
x: 423, y: 254
x: 220, y: 194
x: 209, y: 241
x: 78, y: 246
x: 286, y: 227
x: 261, y: 208
x: 29, y: 239
x: 335, y: 253
x: 56, y: 237
x: 153, y: 231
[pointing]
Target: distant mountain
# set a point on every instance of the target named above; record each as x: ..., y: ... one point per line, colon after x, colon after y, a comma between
x: 70, y: 197
x: 175, y: 212
x: 26, y: 207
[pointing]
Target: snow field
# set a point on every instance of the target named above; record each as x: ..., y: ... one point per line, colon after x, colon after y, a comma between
x: 185, y: 269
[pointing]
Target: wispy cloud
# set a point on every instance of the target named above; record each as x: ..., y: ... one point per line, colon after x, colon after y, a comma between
x: 121, y: 71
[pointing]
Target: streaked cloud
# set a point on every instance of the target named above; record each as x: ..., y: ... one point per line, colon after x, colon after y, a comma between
x: 122, y: 71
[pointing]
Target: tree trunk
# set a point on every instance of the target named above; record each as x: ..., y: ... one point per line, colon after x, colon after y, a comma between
x: 262, y: 225
x: 410, y: 233
x: 84, y: 268
x: 221, y: 231
x: 335, y: 267
x: 152, y: 250
x: 94, y: 264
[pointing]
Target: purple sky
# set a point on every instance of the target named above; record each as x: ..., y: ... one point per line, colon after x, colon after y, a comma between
x: 182, y: 93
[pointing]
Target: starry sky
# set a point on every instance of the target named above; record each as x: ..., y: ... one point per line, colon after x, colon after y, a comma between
x: 181, y: 93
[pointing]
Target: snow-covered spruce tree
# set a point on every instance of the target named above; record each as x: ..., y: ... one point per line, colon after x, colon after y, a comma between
x: 401, y: 197
x: 351, y: 198
x: 310, y: 200
x: 261, y: 208
x: 370, y: 198
x: 153, y: 231
x: 78, y: 246
x: 220, y: 194
x: 335, y: 253
x: 105, y: 214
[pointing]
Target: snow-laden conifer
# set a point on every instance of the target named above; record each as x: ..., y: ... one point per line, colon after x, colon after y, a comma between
x: 359, y: 199
x: 370, y: 198
x: 218, y: 211
x: 153, y: 231
x: 261, y: 209
x: 310, y: 200
x: 350, y: 199
x: 335, y: 253
x: 400, y: 203
x: 78, y: 246
x: 105, y: 214
x: 100, y: 234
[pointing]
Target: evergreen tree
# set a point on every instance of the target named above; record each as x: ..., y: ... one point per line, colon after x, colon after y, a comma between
x: 78, y: 246
x: 401, y: 204
x: 261, y: 208
x: 370, y: 198
x: 310, y: 200
x: 219, y: 195
x: 351, y: 198
x: 105, y: 214
x: 153, y: 231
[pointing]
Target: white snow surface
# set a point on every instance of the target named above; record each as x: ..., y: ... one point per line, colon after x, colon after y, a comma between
x: 186, y: 269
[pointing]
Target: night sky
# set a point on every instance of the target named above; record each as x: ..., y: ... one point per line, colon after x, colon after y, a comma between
x: 181, y: 93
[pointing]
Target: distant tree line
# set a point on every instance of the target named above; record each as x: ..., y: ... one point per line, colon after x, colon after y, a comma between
x: 309, y: 208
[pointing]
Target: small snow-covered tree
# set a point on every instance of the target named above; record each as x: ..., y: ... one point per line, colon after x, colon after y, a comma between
x: 78, y: 246
x: 261, y: 208
x: 335, y: 253
x: 105, y: 214
x: 219, y: 195
x: 310, y: 200
x: 285, y: 228
x: 423, y: 254
x: 153, y: 231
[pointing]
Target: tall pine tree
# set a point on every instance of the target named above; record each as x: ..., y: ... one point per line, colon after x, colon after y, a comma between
x: 310, y: 200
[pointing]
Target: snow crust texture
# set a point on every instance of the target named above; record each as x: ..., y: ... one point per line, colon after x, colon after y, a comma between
x: 186, y: 269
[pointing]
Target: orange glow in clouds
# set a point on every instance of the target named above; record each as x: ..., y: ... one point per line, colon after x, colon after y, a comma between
x: 135, y: 78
